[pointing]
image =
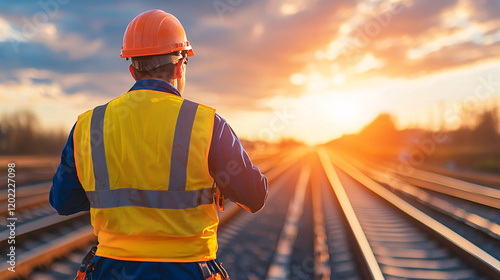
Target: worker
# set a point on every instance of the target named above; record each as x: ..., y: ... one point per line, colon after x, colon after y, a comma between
x: 147, y: 164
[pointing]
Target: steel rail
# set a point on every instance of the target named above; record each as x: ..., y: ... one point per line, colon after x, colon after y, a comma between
x: 322, y: 270
x: 272, y: 174
x: 489, y: 227
x: 370, y: 267
x: 280, y: 266
x: 454, y: 187
x: 450, y: 186
x: 38, y: 226
x: 45, y: 254
x: 23, y: 203
x: 274, y: 161
x: 486, y: 264
x: 466, y: 175
x: 26, y: 191
x: 26, y: 177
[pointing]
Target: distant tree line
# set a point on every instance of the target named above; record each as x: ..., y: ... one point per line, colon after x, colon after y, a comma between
x: 21, y: 134
x: 475, y: 144
x: 484, y: 132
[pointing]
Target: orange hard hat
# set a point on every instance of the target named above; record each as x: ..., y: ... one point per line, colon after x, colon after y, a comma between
x: 154, y: 32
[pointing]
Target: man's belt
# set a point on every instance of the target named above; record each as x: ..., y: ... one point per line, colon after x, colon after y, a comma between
x: 212, y: 270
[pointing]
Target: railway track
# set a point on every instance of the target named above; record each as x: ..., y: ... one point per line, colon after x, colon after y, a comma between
x: 368, y: 237
x: 327, y: 217
x: 29, y: 169
x: 467, y: 203
x: 461, y: 258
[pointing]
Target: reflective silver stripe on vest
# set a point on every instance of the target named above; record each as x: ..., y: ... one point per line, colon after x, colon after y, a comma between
x: 150, y: 198
x: 180, y: 148
x: 97, y: 146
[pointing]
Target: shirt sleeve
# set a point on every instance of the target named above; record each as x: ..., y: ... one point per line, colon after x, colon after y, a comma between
x: 233, y: 171
x: 67, y: 195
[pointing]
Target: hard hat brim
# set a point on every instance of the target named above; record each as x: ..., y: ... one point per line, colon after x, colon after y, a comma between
x: 136, y: 52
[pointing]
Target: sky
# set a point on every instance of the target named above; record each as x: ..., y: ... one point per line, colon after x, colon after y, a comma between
x: 312, y: 70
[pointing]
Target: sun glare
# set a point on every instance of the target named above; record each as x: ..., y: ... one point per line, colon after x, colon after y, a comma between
x: 342, y: 108
x: 328, y: 115
x: 297, y: 79
x: 345, y: 110
x: 339, y: 79
x: 289, y: 9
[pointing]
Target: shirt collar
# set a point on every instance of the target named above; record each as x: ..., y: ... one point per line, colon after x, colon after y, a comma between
x: 156, y: 85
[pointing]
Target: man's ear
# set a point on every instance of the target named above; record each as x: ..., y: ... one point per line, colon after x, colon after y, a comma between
x: 179, y: 69
x: 131, y: 69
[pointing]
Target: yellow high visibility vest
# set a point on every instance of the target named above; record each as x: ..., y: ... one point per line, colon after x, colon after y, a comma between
x: 142, y: 159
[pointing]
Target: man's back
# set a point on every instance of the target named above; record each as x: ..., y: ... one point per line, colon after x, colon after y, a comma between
x: 157, y: 226
x: 143, y: 162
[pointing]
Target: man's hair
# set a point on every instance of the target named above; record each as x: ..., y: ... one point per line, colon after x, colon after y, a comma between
x: 164, y: 72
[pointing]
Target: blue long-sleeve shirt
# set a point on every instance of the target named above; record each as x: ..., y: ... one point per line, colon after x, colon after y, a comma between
x: 229, y: 165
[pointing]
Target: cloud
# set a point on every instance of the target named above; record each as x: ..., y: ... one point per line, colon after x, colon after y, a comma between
x: 236, y: 60
x: 73, y: 45
x: 485, y: 10
x: 8, y: 33
x: 251, y: 51
x: 412, y: 38
x: 415, y: 18
x: 94, y: 87
x: 47, y: 34
x: 368, y: 63
x: 35, y: 90
x: 78, y: 38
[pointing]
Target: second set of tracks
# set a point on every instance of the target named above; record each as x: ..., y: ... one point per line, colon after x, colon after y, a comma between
x: 328, y: 216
